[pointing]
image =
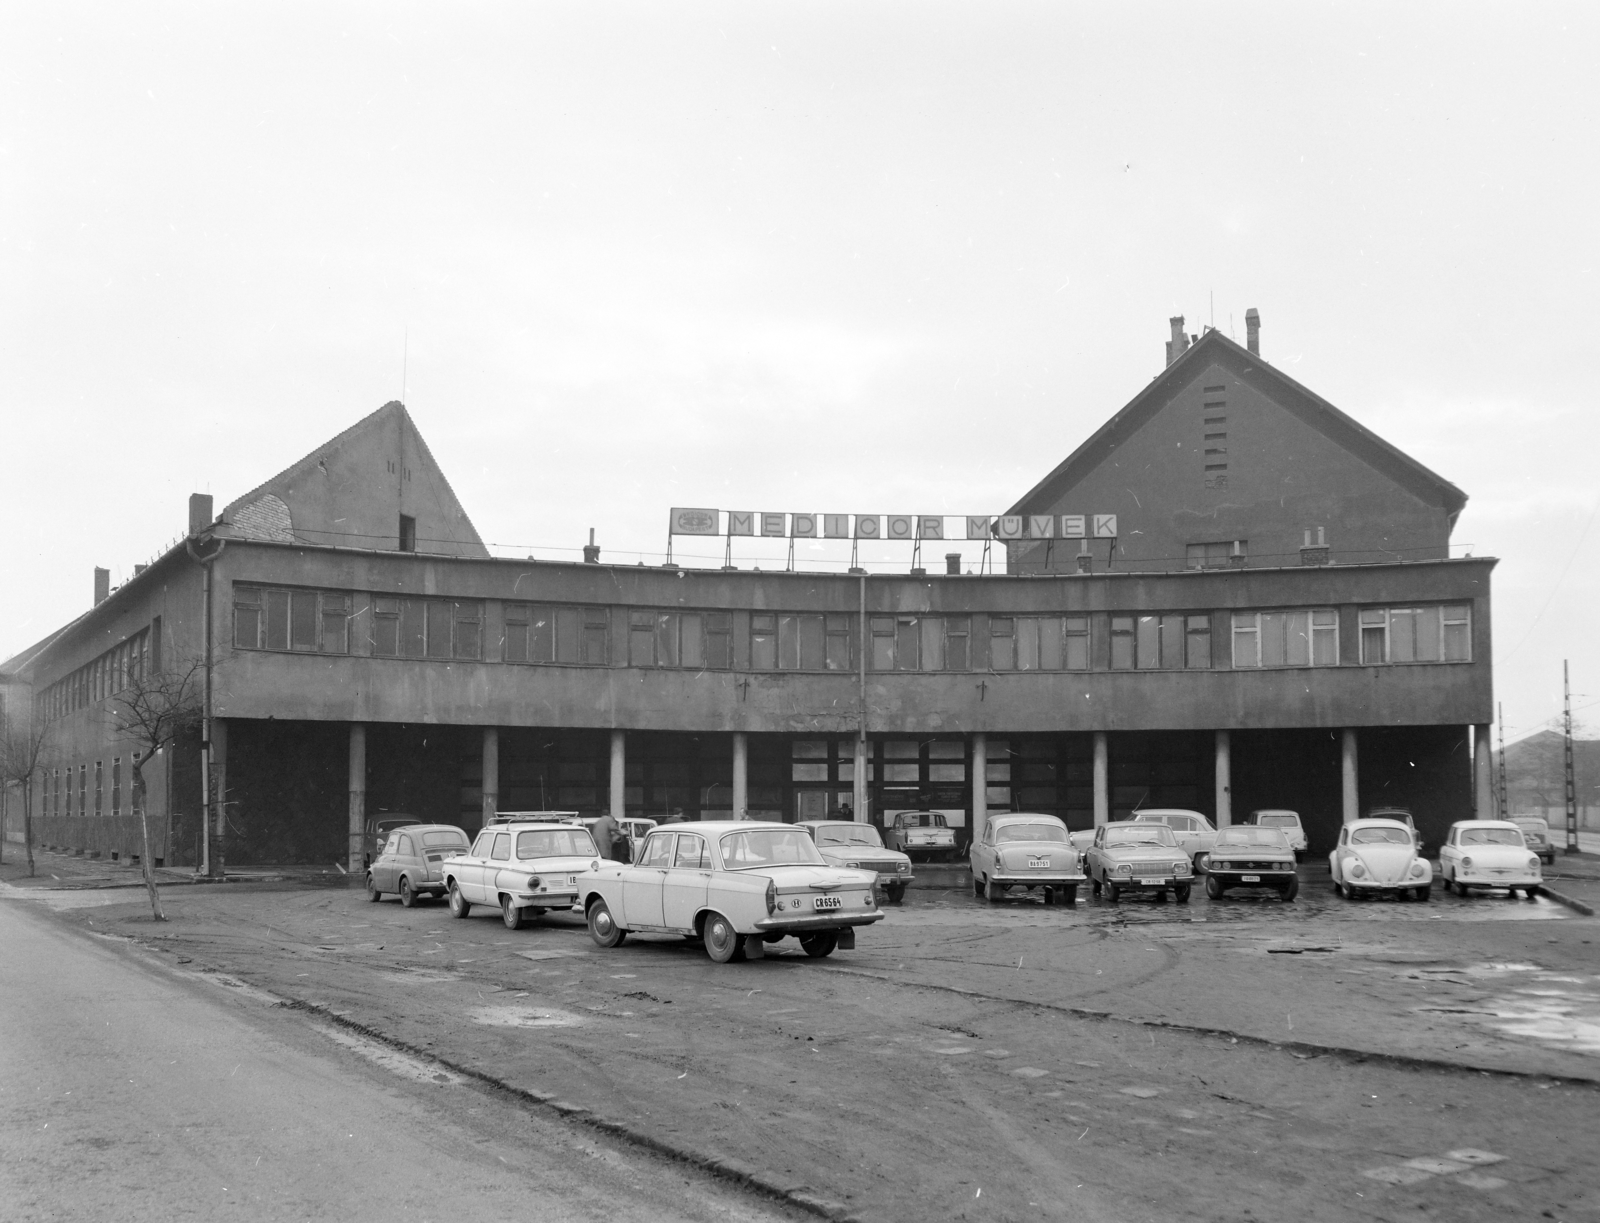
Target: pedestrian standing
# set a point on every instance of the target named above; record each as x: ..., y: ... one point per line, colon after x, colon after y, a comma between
x: 605, y: 832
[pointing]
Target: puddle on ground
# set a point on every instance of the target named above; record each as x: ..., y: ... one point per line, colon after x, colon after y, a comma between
x: 1554, y: 1009
x: 525, y: 1017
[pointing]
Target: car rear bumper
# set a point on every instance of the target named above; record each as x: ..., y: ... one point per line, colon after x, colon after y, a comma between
x: 1049, y: 881
x: 544, y: 900
x: 808, y: 922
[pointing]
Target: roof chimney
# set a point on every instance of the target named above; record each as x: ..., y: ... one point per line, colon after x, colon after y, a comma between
x: 102, y: 584
x: 1179, y: 342
x: 1252, y: 331
x: 952, y: 563
x: 200, y: 516
x: 591, y: 551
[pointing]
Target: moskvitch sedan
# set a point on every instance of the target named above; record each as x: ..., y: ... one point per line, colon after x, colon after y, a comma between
x: 858, y: 847
x: 524, y: 869
x: 411, y: 862
x: 734, y: 886
x: 1376, y: 857
x: 1025, y: 851
x: 1138, y: 857
x: 1249, y: 856
x: 1488, y: 854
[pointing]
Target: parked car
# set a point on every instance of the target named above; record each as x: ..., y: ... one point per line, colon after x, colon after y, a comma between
x: 411, y: 862
x: 1282, y: 818
x: 921, y: 834
x: 1021, y: 850
x: 1403, y: 815
x: 1138, y: 856
x: 1195, y: 832
x: 637, y: 828
x: 1536, y: 832
x: 1488, y: 854
x: 859, y: 847
x: 378, y: 829
x: 1251, y: 856
x: 1378, y: 856
x: 523, y: 868
x: 735, y: 886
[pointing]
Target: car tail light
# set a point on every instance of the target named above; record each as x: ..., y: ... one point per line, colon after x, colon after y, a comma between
x: 533, y: 882
x: 772, y: 898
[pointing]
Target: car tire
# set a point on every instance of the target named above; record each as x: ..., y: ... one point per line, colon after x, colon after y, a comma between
x: 1181, y: 893
x: 460, y: 906
x: 408, y: 898
x: 1111, y: 892
x: 1214, y: 888
x: 1067, y: 896
x: 723, y: 943
x: 1423, y: 893
x: 992, y: 892
x: 1290, y: 890
x: 896, y: 892
x: 1161, y: 897
x: 977, y: 887
x: 1094, y: 887
x: 819, y: 945
x: 603, y: 928
x: 510, y: 913
x: 372, y: 890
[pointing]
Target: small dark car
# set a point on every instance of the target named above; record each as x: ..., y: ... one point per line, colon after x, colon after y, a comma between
x: 409, y: 863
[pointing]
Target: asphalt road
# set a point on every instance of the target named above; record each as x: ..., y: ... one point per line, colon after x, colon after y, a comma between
x: 129, y: 1093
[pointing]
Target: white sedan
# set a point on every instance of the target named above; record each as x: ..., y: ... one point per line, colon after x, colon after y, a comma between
x: 1488, y: 854
x: 733, y: 886
x: 1376, y: 856
x: 521, y: 867
x: 1194, y: 831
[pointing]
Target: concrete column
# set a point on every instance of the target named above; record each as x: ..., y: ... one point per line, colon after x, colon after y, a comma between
x: 619, y: 774
x: 358, y: 804
x: 859, y: 792
x: 491, y: 773
x: 1224, y: 779
x: 741, y: 775
x: 1351, y: 796
x: 1483, y: 802
x: 1102, y: 780
x: 980, y: 784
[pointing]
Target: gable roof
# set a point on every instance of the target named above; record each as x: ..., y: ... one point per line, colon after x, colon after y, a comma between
x: 1215, y: 348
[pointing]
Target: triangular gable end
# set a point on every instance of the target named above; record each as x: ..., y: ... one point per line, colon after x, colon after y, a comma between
x: 358, y: 490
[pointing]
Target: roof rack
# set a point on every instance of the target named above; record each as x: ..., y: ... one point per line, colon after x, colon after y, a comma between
x: 523, y: 817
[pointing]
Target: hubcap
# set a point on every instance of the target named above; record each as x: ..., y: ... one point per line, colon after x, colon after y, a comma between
x: 719, y: 936
x: 602, y: 921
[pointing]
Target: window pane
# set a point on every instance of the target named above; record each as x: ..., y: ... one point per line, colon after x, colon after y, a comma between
x: 642, y: 642
x: 809, y: 749
x: 1372, y: 642
x: 516, y: 639
x: 933, y: 643
x: 902, y: 749
x: 439, y: 617
x: 1198, y: 653
x: 947, y: 749
x: 957, y: 647
x: 277, y: 619
x: 468, y: 630
x: 542, y: 635
x: 1457, y: 635
x: 569, y: 634
x: 1002, y: 643
x: 1403, y: 634
x: 1427, y: 621
x: 1272, y: 638
x: 693, y: 647
x: 1246, y: 640
x: 908, y: 642
x: 719, y: 640
x: 1172, y: 628
x: 902, y: 772
x: 810, y: 772
x: 882, y: 644
x: 1325, y: 637
x: 763, y: 643
x: 303, y: 620
x: 1147, y: 651
x: 838, y: 643
x: 335, y: 623
x: 247, y: 627
x: 386, y: 627
x: 811, y: 643
x: 1026, y: 632
x: 1122, y: 643
x: 947, y: 772
x: 596, y: 631
x: 411, y: 625
x: 789, y: 642
x: 1297, y: 646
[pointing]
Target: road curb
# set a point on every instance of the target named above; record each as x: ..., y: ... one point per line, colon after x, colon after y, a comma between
x: 1577, y: 906
x: 798, y: 1196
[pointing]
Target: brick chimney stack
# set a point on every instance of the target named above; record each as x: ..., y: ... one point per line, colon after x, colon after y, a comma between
x: 199, y: 513
x: 1252, y: 331
x: 102, y: 584
x: 1179, y: 343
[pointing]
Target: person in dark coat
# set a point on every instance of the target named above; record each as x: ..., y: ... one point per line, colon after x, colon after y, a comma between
x: 606, y: 833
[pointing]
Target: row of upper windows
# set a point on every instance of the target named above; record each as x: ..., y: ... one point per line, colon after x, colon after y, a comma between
x: 318, y: 621
x: 123, y: 665
x: 68, y: 791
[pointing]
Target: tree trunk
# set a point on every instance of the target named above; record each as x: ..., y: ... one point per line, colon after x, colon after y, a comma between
x: 145, y: 859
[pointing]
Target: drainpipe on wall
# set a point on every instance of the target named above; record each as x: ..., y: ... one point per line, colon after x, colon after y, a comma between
x: 860, y: 788
x: 205, y: 561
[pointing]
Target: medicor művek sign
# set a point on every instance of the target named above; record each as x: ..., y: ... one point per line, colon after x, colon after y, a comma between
x: 892, y: 527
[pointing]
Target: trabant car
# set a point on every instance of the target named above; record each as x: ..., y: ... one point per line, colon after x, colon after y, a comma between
x: 1284, y: 819
x: 1536, y: 832
x: 1020, y: 850
x: 1132, y: 856
x: 1251, y: 856
x: 859, y: 847
x: 1195, y: 833
x: 1377, y: 856
x: 921, y: 834
x: 522, y: 868
x: 377, y: 832
x: 734, y: 886
x: 411, y: 862
x: 1488, y: 854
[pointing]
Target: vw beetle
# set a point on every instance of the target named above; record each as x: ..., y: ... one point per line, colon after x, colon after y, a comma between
x: 1376, y: 857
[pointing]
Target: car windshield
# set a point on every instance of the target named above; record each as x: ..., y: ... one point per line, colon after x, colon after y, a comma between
x: 1491, y: 836
x: 742, y: 851
x: 1031, y: 832
x: 1278, y: 821
x: 1534, y: 828
x: 445, y: 838
x: 1380, y: 836
x: 919, y: 819
x: 849, y: 834
x: 554, y: 843
x: 1141, y: 834
x: 1252, y: 836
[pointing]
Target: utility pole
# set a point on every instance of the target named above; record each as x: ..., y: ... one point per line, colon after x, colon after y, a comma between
x: 1572, y: 789
x: 1500, y: 790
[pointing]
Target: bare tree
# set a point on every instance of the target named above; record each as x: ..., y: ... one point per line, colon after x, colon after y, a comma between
x: 23, y: 744
x: 151, y: 712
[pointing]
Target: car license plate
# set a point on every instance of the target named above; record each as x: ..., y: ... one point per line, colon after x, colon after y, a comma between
x: 1039, y: 863
x: 1249, y: 878
x: 826, y: 902
x: 572, y: 879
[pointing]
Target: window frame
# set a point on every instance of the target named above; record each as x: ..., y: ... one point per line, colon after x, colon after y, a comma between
x: 1284, y: 623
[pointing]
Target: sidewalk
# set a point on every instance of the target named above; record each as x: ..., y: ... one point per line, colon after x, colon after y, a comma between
x: 58, y: 871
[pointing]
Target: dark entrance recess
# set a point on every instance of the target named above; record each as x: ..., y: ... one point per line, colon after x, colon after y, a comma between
x: 1162, y: 768
x: 1052, y: 774
x: 1296, y: 769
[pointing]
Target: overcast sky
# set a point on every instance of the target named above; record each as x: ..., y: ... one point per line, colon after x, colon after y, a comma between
x: 842, y: 258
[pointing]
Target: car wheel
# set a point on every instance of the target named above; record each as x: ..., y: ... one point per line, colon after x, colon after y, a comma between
x: 1180, y: 893
x: 820, y: 944
x: 1424, y: 893
x: 1111, y: 891
x: 407, y: 897
x: 459, y: 905
x: 723, y: 943
x: 1068, y: 895
x: 603, y: 928
x: 977, y: 886
x: 1047, y: 894
x: 372, y: 889
x: 1214, y: 888
x: 1290, y: 890
x: 992, y: 891
x: 1094, y: 887
x: 896, y: 892
x: 510, y: 914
